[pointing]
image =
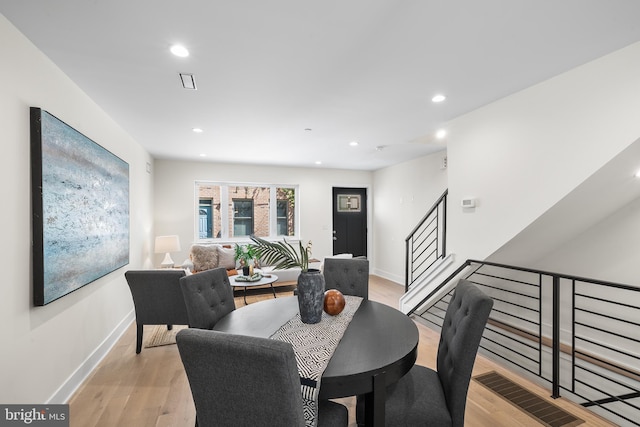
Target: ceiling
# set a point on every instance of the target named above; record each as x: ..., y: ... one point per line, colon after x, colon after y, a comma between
x: 293, y: 82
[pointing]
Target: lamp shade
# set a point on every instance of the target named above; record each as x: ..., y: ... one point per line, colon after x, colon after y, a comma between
x: 166, y: 244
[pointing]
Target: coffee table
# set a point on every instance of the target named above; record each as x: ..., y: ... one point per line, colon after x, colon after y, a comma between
x: 265, y: 280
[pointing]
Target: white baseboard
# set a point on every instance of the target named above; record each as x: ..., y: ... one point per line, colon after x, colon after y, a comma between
x: 389, y: 276
x: 75, y: 380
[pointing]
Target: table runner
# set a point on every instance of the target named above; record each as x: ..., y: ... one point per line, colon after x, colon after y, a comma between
x: 314, y: 344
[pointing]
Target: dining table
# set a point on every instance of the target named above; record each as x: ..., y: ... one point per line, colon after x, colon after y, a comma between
x: 377, y: 348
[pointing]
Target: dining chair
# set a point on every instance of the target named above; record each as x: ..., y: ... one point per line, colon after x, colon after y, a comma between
x: 348, y: 275
x: 157, y: 299
x: 239, y: 380
x: 438, y: 398
x: 208, y: 297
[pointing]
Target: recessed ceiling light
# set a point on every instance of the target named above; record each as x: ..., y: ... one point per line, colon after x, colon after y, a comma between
x: 203, y: 155
x: 438, y: 98
x: 637, y: 175
x: 318, y: 162
x: 197, y: 130
x: 179, y: 50
x: 353, y: 143
x: 441, y: 133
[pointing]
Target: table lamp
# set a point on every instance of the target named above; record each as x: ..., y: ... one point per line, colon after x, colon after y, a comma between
x: 167, y: 244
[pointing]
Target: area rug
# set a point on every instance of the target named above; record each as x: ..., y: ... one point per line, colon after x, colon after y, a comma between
x: 160, y: 336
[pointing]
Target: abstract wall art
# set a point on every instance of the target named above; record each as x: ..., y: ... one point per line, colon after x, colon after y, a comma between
x: 80, y: 200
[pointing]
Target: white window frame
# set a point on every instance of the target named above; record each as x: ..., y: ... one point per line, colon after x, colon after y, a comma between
x: 224, y: 214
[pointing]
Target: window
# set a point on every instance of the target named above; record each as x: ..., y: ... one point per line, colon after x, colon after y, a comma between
x: 285, y: 217
x: 248, y: 210
x: 349, y: 203
x: 263, y: 210
x: 282, y: 217
x: 242, y: 217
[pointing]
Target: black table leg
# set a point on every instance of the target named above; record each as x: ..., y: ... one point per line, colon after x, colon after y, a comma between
x: 273, y: 289
x: 245, y: 295
x: 374, y: 403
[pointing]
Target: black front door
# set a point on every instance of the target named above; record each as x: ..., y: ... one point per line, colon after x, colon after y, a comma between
x: 350, y: 221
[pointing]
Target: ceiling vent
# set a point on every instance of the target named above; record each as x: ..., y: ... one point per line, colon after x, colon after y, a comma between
x: 188, y: 81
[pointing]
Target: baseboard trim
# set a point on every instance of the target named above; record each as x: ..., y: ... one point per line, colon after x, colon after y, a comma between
x: 75, y: 380
x: 389, y: 276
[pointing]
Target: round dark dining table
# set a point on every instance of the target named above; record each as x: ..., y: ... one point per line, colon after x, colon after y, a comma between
x: 378, y: 347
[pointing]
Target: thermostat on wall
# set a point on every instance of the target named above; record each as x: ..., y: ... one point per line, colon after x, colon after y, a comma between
x: 469, y: 203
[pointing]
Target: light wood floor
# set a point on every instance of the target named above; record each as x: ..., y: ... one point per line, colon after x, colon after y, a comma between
x: 151, y: 389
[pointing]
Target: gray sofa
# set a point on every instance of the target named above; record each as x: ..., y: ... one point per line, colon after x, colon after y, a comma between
x: 209, y: 256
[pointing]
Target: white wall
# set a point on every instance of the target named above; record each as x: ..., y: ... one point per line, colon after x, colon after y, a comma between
x: 403, y: 193
x: 46, y: 351
x: 593, y: 231
x: 522, y: 154
x: 175, y: 197
x: 607, y: 251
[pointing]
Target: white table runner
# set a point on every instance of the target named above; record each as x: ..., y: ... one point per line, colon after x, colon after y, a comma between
x: 314, y: 345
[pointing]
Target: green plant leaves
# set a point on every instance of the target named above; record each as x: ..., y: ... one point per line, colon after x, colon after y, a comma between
x: 282, y: 255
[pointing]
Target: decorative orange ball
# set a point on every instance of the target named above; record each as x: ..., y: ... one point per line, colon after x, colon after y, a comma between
x: 333, y: 302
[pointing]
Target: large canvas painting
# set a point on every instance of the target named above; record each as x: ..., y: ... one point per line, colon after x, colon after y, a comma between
x: 80, y: 198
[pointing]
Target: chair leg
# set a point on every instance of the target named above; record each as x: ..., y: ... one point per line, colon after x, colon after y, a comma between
x: 138, y: 338
x: 169, y: 327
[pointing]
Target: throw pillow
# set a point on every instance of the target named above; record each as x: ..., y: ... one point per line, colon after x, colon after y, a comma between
x: 226, y: 257
x: 204, y: 257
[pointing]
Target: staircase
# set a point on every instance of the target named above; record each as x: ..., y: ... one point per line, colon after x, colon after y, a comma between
x: 577, y: 336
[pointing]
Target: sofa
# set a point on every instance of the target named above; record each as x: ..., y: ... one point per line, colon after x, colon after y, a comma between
x: 204, y: 256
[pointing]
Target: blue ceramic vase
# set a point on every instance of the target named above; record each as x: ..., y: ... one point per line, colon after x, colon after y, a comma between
x: 311, y: 295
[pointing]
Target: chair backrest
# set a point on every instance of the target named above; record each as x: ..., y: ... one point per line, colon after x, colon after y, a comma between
x: 157, y: 296
x: 348, y: 275
x: 240, y: 380
x: 208, y: 297
x: 462, y: 329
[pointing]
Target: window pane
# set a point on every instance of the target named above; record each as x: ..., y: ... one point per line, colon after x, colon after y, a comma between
x: 249, y: 210
x: 285, y: 211
x: 209, y: 221
x: 281, y: 220
x: 242, y: 217
x: 282, y: 208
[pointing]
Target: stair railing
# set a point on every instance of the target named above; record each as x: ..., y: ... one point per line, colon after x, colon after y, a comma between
x: 576, y: 335
x: 427, y: 242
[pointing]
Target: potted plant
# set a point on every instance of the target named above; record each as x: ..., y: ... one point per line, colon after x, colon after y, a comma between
x: 245, y: 254
x: 283, y: 255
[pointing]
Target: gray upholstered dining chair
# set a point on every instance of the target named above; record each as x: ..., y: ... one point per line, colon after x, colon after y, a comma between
x: 348, y: 275
x: 157, y: 299
x: 239, y: 380
x: 208, y: 297
x: 438, y: 398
